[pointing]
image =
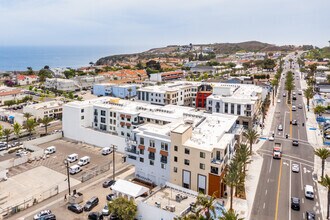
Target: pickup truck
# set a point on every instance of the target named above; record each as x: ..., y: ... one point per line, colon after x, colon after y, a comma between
x: 277, y: 151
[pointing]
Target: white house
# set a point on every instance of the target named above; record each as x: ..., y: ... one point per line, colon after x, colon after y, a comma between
x: 23, y: 80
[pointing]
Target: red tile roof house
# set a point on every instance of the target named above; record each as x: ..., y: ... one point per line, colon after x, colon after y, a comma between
x: 10, y: 94
x: 23, y: 80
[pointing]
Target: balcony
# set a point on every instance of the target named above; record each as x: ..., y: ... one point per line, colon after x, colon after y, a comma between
x: 151, y: 157
x: 215, y: 170
x: 216, y: 161
x: 95, y: 113
x: 132, y: 150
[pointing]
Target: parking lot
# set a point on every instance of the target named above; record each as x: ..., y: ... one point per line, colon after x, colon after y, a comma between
x: 98, y: 163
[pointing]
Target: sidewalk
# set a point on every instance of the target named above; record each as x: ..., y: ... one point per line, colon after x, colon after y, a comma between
x: 316, y: 140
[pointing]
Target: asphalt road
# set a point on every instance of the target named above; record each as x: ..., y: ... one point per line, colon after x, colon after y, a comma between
x: 277, y: 183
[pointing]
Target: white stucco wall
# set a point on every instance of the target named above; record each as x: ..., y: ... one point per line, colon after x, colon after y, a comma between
x: 147, y: 212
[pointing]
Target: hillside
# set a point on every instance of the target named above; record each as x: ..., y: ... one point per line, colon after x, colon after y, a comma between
x: 174, y: 51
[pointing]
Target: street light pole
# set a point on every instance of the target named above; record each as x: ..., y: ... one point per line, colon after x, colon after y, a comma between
x: 113, y: 162
x: 66, y: 162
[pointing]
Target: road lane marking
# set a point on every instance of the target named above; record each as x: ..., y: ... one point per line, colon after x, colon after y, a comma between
x: 270, y: 167
x: 268, y: 180
x: 301, y: 178
x: 290, y: 191
x: 264, y: 206
x: 278, y: 191
x: 266, y: 192
x: 268, y: 152
x: 302, y: 200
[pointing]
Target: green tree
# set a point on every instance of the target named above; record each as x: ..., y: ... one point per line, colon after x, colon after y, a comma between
x: 323, y: 154
x: 269, y: 64
x: 30, y: 125
x: 17, y: 129
x: 7, y: 132
x: 309, y: 95
x: 290, y: 60
x: 251, y: 135
x: 230, y: 215
x: 274, y: 83
x: 123, y: 208
x: 27, y: 115
x: 29, y: 70
x: 207, y: 203
x: 44, y: 74
x: 45, y: 121
x: 289, y: 86
x: 243, y: 156
x: 319, y: 109
x: 1, y: 132
x: 232, y: 179
x: 326, y: 183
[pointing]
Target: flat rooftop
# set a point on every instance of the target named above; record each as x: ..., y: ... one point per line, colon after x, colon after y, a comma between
x: 166, y: 196
x: 50, y: 104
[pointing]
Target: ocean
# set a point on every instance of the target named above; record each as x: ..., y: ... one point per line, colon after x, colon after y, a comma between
x: 20, y: 57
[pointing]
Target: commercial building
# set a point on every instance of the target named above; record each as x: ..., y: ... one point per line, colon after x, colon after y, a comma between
x: 237, y: 99
x: 51, y: 109
x: 66, y: 85
x: 166, y: 76
x: 203, y: 91
x: 119, y: 91
x: 161, y: 141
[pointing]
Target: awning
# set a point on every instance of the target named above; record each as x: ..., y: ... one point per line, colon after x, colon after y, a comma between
x: 11, y: 117
x: 128, y: 188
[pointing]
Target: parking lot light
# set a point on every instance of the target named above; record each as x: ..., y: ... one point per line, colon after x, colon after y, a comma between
x: 66, y: 162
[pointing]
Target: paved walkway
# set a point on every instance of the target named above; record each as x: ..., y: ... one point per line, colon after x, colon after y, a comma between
x: 316, y: 140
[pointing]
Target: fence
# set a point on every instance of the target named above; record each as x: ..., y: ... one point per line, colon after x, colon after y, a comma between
x: 89, y: 174
x: 28, y: 202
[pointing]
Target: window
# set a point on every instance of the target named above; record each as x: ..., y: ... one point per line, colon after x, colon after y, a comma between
x: 122, y: 133
x: 175, y: 159
x: 110, y: 114
x: 226, y: 107
x: 238, y: 109
x: 201, y: 154
x: 163, y: 166
x: 151, y: 155
x: 142, y: 151
x: 82, y: 110
x: 232, y: 109
x: 164, y: 146
x: 82, y: 117
x: 163, y: 159
x: 102, y: 120
x: 175, y: 148
x: 214, y: 170
x: 141, y: 159
x: 186, y: 151
x: 114, y: 114
x: 175, y: 169
x: 151, y: 162
x: 103, y: 127
x: 186, y: 162
x: 202, y: 166
x: 102, y: 112
x: 151, y: 143
x: 141, y: 141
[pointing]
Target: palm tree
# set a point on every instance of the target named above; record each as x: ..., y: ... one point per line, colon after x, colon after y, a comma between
x: 45, y: 121
x: 319, y: 109
x: 274, y: 85
x: 290, y: 60
x: 7, y: 132
x: 309, y: 95
x: 323, y: 154
x: 289, y: 84
x: 232, y: 179
x: 230, y: 215
x: 17, y: 129
x: 326, y: 183
x: 30, y: 126
x: 207, y: 203
x: 1, y: 132
x: 27, y: 115
x: 252, y: 135
x: 243, y: 156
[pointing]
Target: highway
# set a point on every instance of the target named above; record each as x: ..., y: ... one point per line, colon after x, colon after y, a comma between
x: 277, y: 183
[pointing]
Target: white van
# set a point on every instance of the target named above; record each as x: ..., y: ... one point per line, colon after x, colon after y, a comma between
x: 106, y: 151
x: 50, y: 150
x: 309, y: 192
x: 294, y: 108
x: 84, y: 160
x: 72, y: 158
x: 74, y: 169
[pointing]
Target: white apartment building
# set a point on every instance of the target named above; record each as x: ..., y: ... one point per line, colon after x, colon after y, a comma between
x: 9, y: 93
x: 144, y: 132
x: 66, y: 85
x: 176, y: 93
x: 51, y: 109
x: 237, y: 99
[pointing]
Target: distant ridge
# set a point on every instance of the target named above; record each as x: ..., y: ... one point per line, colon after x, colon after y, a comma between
x: 218, y: 48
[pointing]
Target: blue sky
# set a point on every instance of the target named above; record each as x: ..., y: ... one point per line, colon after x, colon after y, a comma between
x: 163, y: 22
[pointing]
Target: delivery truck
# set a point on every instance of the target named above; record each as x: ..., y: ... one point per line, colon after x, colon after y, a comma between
x: 277, y: 151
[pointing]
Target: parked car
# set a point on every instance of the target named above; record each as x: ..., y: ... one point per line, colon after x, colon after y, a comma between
x: 113, y: 216
x: 110, y: 196
x: 310, y: 215
x: 294, y: 122
x: 108, y: 183
x: 75, y: 208
x: 105, y: 210
x: 295, y: 143
x: 42, y: 214
x: 280, y: 127
x: 300, y: 106
x: 90, y: 204
x: 295, y: 168
x: 271, y: 138
x: 95, y: 216
x: 295, y: 203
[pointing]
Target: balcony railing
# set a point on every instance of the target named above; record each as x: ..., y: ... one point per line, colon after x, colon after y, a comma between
x: 216, y: 161
x: 151, y: 157
x: 131, y: 150
x: 163, y: 160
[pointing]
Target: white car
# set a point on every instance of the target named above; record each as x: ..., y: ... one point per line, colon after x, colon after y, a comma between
x: 271, y: 138
x: 42, y: 214
x: 278, y: 100
x: 295, y: 168
x: 280, y: 127
x: 105, y: 210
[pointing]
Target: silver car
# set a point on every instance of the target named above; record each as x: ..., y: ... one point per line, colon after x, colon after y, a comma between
x: 295, y: 168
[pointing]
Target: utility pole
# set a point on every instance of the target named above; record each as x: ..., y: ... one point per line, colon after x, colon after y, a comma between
x: 66, y: 162
x: 113, y: 161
